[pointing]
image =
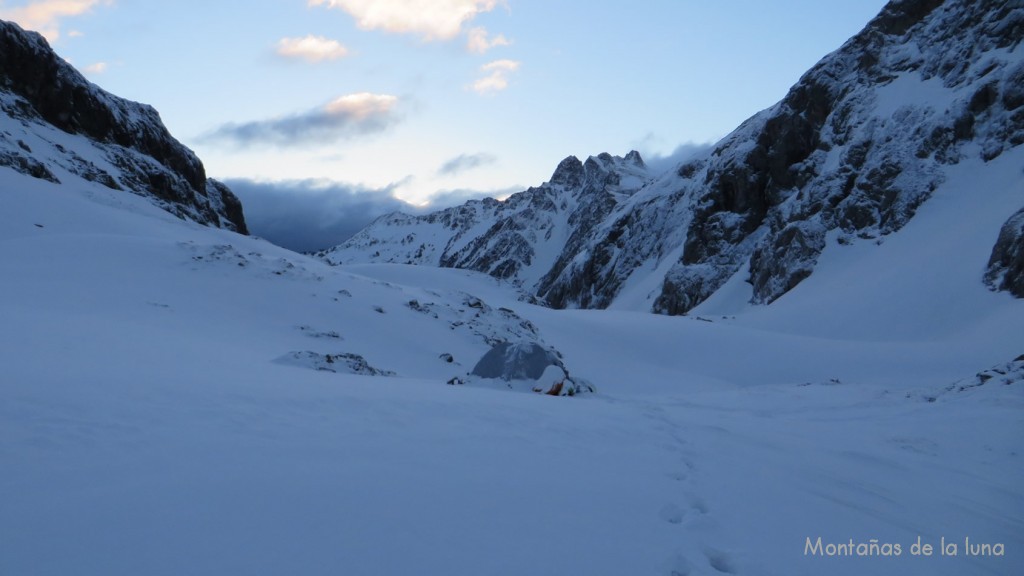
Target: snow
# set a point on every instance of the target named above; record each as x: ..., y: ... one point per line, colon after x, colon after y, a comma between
x: 161, y: 410
x: 908, y: 87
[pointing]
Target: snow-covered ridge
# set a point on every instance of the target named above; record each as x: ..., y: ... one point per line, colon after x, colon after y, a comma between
x: 849, y: 155
x: 522, y: 238
x: 58, y: 126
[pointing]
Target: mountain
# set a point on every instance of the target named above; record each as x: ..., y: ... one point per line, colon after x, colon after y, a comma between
x: 59, y: 127
x: 851, y: 153
x: 522, y: 238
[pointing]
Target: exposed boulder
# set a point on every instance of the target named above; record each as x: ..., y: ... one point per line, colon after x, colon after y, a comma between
x: 540, y: 368
x: 515, y: 361
x: 342, y: 362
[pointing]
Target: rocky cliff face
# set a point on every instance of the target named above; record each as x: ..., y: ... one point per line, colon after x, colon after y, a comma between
x: 849, y: 155
x: 855, y: 147
x: 56, y: 125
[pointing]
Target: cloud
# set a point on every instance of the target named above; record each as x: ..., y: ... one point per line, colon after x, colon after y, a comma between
x: 310, y: 215
x: 496, y: 76
x: 446, y: 198
x: 311, y: 48
x: 658, y: 164
x: 429, y: 19
x: 345, y: 117
x: 97, y: 68
x: 464, y: 162
x: 478, y: 42
x: 44, y: 16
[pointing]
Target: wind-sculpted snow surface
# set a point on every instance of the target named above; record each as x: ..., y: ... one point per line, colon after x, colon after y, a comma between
x: 57, y: 126
x: 848, y: 156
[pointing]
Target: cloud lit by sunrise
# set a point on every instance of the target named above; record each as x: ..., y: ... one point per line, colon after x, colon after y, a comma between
x: 495, y: 77
x: 44, y: 16
x: 477, y: 41
x: 346, y: 117
x: 311, y: 48
x: 429, y: 19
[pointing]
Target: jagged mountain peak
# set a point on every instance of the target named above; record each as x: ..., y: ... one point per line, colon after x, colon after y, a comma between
x: 569, y: 173
x: 46, y: 100
x: 600, y: 172
x: 634, y: 157
x: 520, y: 238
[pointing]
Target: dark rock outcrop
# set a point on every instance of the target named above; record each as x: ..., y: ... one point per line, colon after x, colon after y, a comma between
x: 515, y: 361
x: 1006, y: 266
x: 42, y: 90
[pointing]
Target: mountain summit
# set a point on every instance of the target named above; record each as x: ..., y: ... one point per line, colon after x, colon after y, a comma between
x: 848, y: 156
x: 58, y: 126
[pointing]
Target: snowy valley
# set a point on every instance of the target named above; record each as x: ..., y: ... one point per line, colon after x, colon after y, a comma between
x: 177, y: 397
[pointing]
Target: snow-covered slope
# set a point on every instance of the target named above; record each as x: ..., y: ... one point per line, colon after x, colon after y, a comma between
x: 847, y: 157
x: 178, y: 399
x: 57, y: 126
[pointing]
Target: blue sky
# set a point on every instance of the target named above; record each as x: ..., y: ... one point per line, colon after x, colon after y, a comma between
x: 416, y: 99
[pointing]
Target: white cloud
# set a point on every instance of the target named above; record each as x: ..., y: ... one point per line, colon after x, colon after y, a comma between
x: 44, y: 16
x: 496, y: 78
x: 311, y: 48
x: 430, y: 19
x: 478, y: 42
x: 97, y: 68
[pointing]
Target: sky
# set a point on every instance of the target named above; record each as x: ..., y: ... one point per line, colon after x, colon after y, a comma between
x: 332, y: 112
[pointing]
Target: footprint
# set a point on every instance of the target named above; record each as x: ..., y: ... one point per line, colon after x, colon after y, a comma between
x: 679, y: 566
x: 698, y: 505
x: 720, y: 561
x: 672, y: 514
x: 678, y: 476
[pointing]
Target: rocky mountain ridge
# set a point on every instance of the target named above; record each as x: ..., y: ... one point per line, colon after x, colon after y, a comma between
x: 58, y: 126
x: 521, y: 238
x: 847, y: 156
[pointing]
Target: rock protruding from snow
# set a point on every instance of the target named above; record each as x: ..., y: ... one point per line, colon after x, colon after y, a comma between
x: 1006, y: 266
x: 540, y: 368
x: 515, y: 361
x: 342, y: 362
x: 1008, y: 374
x: 46, y: 98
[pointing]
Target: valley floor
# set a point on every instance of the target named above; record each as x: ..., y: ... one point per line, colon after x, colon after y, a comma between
x: 151, y: 422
